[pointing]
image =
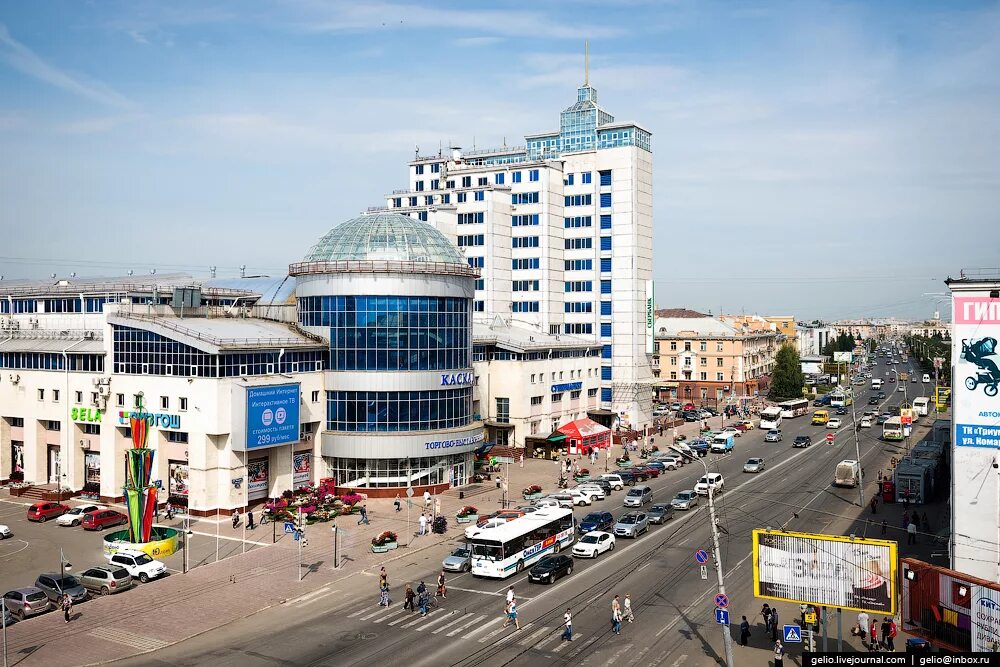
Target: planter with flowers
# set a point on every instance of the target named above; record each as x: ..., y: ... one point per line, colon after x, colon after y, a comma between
x: 533, y: 492
x: 583, y: 475
x: 352, y: 502
x: 384, y: 541
x: 467, y: 514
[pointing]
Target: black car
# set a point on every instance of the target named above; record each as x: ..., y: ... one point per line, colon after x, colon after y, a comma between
x: 802, y: 441
x: 628, y: 476
x: 841, y: 411
x: 881, y: 396
x: 596, y: 521
x: 691, y: 416
x: 551, y: 568
x: 660, y: 512
x: 873, y: 400
x: 603, y: 483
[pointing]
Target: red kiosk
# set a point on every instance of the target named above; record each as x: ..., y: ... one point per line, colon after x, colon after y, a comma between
x: 584, y: 435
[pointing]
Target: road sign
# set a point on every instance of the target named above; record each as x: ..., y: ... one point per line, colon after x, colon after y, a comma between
x: 289, y: 527
x: 810, y: 618
x: 793, y: 634
x: 409, y: 492
x: 722, y: 617
x: 158, y: 484
x: 704, y: 572
x: 721, y: 600
x: 829, y: 437
x: 701, y: 556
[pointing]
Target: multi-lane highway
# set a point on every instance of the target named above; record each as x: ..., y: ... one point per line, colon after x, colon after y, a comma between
x: 674, y: 622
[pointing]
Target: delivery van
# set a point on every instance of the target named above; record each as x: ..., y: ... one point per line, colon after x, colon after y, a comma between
x: 848, y: 473
x: 723, y: 443
x: 821, y: 417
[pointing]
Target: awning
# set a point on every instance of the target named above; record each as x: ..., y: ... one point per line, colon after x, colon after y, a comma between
x: 556, y: 437
x: 666, y: 384
x: 601, y: 412
x: 496, y: 424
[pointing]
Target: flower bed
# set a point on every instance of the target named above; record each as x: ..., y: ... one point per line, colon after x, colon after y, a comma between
x: 384, y: 541
x: 532, y: 492
x: 582, y: 475
x: 467, y: 514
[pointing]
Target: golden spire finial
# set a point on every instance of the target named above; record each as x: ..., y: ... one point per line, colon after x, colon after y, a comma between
x: 586, y: 62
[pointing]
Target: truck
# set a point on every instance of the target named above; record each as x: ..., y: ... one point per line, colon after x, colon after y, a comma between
x: 723, y: 443
x: 848, y: 473
x: 904, y: 376
x: 876, y: 384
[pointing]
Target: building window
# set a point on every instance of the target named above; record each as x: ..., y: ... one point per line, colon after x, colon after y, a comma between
x: 498, y: 178
x: 471, y: 218
x: 605, y: 243
x: 503, y: 410
x: 467, y: 181
x: 568, y: 180
x: 673, y: 375
x: 557, y: 397
x: 420, y: 187
x: 606, y: 330
x: 579, y: 244
x: 55, y: 395
x: 578, y: 265
x: 182, y: 404
x: 718, y: 361
x: 422, y: 216
x: 533, y: 175
x: 524, y: 307
x: 606, y: 394
x: 480, y: 283
x: 381, y: 411
x: 471, y: 240
x: 525, y: 286
x: 592, y: 393
x: 79, y: 397
x: 515, y: 177
x: 477, y: 262
x: 41, y: 394
x: 578, y: 221
x: 703, y: 346
x: 718, y: 347
x: 164, y: 403
x: 605, y: 372
x: 673, y: 361
x: 51, y: 425
x: 94, y: 396
x: 480, y: 195
x: 536, y: 400
x: 535, y: 427
x: 579, y: 286
x: 120, y: 400
x: 605, y: 287
x: 578, y: 200
x: 585, y: 178
x: 605, y: 308
x: 461, y: 197
x: 720, y: 377
x: 673, y: 345
x: 524, y: 220
x: 479, y: 306
x: 704, y: 361
x: 524, y: 198
x: 578, y: 307
x: 436, y: 168
x: 704, y: 376
x: 578, y: 328
x: 419, y: 169
x: 524, y: 263
x: 605, y: 177
x: 524, y: 242
x: 177, y: 436
x: 413, y: 201
x: 605, y: 199
x: 687, y: 346
x: 90, y: 429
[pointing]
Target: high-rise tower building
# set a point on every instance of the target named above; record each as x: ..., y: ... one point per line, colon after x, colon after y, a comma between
x: 562, y: 231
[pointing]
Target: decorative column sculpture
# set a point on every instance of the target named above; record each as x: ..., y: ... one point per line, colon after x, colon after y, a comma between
x: 140, y: 495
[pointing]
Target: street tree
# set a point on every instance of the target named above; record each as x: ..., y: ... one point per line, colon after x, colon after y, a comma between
x: 787, y: 379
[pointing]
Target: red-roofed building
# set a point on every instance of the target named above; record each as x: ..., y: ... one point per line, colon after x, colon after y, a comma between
x: 584, y: 435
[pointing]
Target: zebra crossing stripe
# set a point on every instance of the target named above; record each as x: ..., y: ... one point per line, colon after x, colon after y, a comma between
x: 461, y: 617
x: 442, y: 617
x: 563, y: 644
x: 533, y: 636
x: 420, y: 619
x: 401, y: 613
x: 463, y: 627
x: 380, y: 610
x: 482, y: 627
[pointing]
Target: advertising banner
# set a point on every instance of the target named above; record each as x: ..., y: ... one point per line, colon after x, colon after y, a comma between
x: 92, y: 467
x: 985, y: 613
x: 272, y: 415
x: 975, y: 404
x: 858, y: 574
x: 301, y: 469
x: 257, y: 482
x: 846, y: 357
x: 177, y: 478
x: 650, y: 316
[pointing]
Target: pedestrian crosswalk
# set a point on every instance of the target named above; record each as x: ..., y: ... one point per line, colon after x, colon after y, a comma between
x: 483, y: 628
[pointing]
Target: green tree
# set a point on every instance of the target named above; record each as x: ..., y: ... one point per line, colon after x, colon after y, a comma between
x: 787, y: 380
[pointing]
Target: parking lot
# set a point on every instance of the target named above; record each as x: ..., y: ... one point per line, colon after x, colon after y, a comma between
x: 35, y: 548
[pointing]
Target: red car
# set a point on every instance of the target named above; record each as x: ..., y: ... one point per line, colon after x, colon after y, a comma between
x: 42, y: 512
x: 743, y: 426
x: 688, y: 407
x: 101, y: 519
x: 652, y: 472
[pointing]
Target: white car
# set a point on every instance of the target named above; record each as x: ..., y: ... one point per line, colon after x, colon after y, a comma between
x: 580, y: 497
x: 547, y: 502
x: 595, y: 492
x: 594, y: 544
x: 75, y: 515
x: 731, y: 430
x: 866, y: 422
x: 616, y: 481
x: 900, y: 388
x: 712, y: 480
x: 833, y: 423
x: 5, y: 532
x: 138, y: 564
x: 672, y: 462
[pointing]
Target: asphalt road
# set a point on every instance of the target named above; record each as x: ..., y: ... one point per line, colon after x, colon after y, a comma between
x: 673, y: 606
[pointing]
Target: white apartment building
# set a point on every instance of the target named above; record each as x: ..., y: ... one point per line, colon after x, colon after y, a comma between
x: 812, y: 338
x: 561, y: 229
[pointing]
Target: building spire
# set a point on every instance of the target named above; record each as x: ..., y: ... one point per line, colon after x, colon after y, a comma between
x: 586, y: 62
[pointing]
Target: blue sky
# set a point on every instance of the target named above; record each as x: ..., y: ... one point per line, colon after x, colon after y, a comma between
x: 812, y: 158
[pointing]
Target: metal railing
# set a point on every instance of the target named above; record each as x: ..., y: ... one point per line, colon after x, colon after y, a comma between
x: 980, y: 274
x: 381, y: 266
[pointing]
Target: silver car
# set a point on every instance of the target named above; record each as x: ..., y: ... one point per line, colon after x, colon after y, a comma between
x: 106, y: 579
x: 55, y: 585
x: 25, y: 602
x: 753, y: 465
x: 685, y: 500
x: 632, y: 524
x: 460, y: 560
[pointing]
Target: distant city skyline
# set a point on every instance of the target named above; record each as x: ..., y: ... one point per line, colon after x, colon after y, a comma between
x: 823, y: 160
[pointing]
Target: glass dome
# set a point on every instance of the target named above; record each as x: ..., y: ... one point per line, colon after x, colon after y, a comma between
x: 385, y: 236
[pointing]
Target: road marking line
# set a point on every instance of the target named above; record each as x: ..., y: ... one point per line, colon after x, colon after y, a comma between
x: 454, y: 632
x: 502, y: 629
x: 514, y: 634
x: 482, y: 627
x: 473, y: 590
x: 533, y: 636
x: 319, y: 597
x: 562, y: 644
x: 318, y: 591
x: 380, y: 610
x: 679, y: 660
x: 419, y: 619
x: 461, y: 617
x: 388, y: 616
x: 442, y: 617
x: 357, y: 613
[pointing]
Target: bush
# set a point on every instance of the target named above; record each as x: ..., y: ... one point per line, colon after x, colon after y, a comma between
x: 351, y: 499
x: 17, y: 476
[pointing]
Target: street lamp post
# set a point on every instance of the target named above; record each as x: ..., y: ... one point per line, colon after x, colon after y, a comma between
x: 727, y: 638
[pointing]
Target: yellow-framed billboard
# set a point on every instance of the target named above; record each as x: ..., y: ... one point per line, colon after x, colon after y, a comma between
x: 826, y: 570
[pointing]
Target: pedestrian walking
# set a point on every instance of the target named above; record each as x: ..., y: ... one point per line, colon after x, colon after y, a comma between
x: 884, y: 631
x: 863, y: 624
x: 364, y: 516
x: 383, y: 596
x: 383, y: 577
x: 264, y: 517
x: 744, y: 631
x: 442, y: 591
x: 236, y: 518
x: 779, y: 654
x: 873, y: 636
x: 765, y: 613
x: 67, y: 606
x: 423, y: 600
x: 250, y: 525
x: 874, y: 504
x: 423, y: 524
x: 774, y: 624
x: 890, y: 642
x: 510, y: 595
x: 568, y: 622
x: 427, y: 500
x: 522, y: 459
x: 396, y: 503
x: 170, y: 511
x: 911, y: 533
x: 616, y: 616
x: 884, y: 526
x: 409, y: 596
x: 512, y: 616
x: 627, y: 608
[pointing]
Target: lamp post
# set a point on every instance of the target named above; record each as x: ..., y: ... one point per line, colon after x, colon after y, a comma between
x: 726, y: 636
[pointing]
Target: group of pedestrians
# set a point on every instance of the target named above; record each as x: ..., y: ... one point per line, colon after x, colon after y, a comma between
x: 510, y: 610
x: 621, y: 611
x: 881, y: 636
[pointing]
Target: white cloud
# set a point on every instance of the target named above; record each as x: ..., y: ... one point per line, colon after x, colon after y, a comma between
x: 28, y: 62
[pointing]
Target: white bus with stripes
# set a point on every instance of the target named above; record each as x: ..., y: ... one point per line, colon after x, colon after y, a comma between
x: 770, y: 417
x: 501, y: 551
x: 794, y: 408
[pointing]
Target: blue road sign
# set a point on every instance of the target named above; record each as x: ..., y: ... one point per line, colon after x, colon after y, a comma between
x: 701, y: 556
x: 289, y: 528
x: 722, y: 617
x: 721, y: 600
x: 793, y: 634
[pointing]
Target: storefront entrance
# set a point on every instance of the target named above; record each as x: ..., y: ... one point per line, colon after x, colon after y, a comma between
x: 55, y: 464
x: 459, y: 475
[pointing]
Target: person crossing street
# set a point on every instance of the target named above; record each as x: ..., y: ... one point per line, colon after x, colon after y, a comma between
x: 568, y: 622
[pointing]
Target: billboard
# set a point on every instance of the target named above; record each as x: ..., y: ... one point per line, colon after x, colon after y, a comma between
x: 985, y: 619
x: 257, y: 479
x: 272, y: 415
x: 975, y: 404
x: 301, y: 468
x: 831, y: 570
x: 650, y: 317
x: 846, y: 357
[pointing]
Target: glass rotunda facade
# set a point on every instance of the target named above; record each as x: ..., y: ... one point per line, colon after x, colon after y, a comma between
x: 393, y: 297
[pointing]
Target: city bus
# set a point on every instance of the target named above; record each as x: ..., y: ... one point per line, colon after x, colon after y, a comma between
x: 794, y: 408
x: 770, y: 417
x: 893, y: 429
x: 507, y: 549
x: 841, y: 398
x: 920, y: 406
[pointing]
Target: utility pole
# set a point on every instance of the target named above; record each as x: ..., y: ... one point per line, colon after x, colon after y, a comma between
x: 857, y: 452
x: 727, y: 638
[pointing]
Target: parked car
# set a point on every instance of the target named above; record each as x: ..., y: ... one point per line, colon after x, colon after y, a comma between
x: 684, y: 500
x: 548, y: 501
x: 562, y: 499
x: 594, y: 544
x: 604, y: 485
x: 731, y: 430
x: 744, y: 425
x: 660, y: 512
x: 615, y: 480
x: 802, y: 441
x: 101, y: 519
x: 712, y: 480
x: 699, y: 447
x: 635, y: 474
x: 594, y: 491
x: 460, y: 560
x: 75, y: 515
x: 631, y: 524
x: 670, y: 462
x: 550, y: 568
x: 42, y: 512
x: 5, y: 532
x: 596, y: 521
x: 675, y: 406
x: 651, y: 471
x: 638, y: 496
x: 26, y: 602
x: 56, y: 584
x: 754, y: 465
x: 579, y: 497
x: 106, y: 579
x: 627, y: 477
x: 774, y: 435
x: 138, y: 564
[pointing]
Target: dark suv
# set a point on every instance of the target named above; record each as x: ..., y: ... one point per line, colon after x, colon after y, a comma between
x: 802, y: 441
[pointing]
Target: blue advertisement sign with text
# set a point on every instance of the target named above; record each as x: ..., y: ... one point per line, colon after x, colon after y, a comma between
x: 272, y: 415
